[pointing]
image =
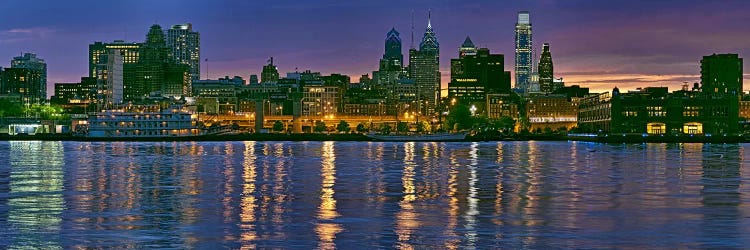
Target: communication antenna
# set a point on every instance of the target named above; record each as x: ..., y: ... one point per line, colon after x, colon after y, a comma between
x: 412, y: 30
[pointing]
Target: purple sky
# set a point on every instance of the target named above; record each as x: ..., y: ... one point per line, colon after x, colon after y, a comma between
x: 594, y: 43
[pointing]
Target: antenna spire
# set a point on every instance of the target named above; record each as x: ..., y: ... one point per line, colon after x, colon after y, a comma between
x: 412, y: 29
x: 429, y: 18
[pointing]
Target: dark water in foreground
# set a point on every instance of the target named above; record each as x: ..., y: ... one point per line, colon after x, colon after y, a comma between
x: 373, y: 195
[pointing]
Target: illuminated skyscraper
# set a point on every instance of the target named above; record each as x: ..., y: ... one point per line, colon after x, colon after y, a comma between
x: 393, y: 55
x: 424, y: 69
x: 186, y: 47
x: 467, y: 48
x: 33, y: 63
x: 545, y: 69
x: 524, y: 51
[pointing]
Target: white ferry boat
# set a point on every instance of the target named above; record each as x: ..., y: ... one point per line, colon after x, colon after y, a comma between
x: 172, y: 122
x: 421, y: 137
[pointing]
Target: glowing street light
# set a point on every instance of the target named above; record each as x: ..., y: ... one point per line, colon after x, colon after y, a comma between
x: 473, y: 110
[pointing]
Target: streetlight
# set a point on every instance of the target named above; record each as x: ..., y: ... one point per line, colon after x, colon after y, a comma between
x: 473, y: 110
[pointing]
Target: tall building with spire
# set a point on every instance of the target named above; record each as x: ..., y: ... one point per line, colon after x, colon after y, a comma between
x: 524, y: 51
x: 424, y: 69
x: 546, y: 71
x: 186, y: 47
x: 31, y: 62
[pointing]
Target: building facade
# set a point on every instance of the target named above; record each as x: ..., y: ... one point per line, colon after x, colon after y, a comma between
x: 551, y: 112
x: 109, y: 75
x: 475, y: 74
x: 31, y: 62
x: 24, y: 83
x: 186, y: 47
x: 424, y: 69
x: 524, y: 51
x: 546, y: 71
x: 270, y: 73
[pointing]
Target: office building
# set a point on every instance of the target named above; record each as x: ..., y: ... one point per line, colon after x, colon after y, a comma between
x: 109, y: 76
x: 546, y: 71
x: 721, y: 74
x: 32, y: 62
x: 524, y: 51
x: 186, y: 47
x: 474, y: 76
x: 424, y: 69
x: 270, y: 73
x: 23, y: 83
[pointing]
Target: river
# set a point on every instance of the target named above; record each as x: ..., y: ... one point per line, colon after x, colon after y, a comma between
x: 303, y: 195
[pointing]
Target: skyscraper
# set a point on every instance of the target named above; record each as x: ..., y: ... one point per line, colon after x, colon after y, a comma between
x: 545, y: 69
x: 524, y: 51
x: 391, y: 68
x: 109, y: 79
x: 721, y: 74
x: 424, y: 69
x: 31, y: 62
x: 186, y: 47
x: 467, y: 48
x: 270, y: 73
x: 156, y: 71
x: 474, y: 76
x: 100, y: 68
x: 393, y: 55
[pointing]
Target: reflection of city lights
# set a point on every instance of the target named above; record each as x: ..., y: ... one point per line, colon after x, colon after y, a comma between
x: 248, y: 206
x: 36, y: 184
x: 406, y: 219
x: 327, y: 210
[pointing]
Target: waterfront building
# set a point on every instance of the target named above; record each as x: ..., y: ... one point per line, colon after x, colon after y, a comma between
x: 172, y: 122
x: 270, y: 73
x: 77, y: 97
x: 216, y: 96
x: 595, y: 112
x: 524, y: 51
x: 654, y: 111
x: 546, y: 71
x: 475, y: 75
x: 320, y: 101
x: 721, y: 74
x: 424, y: 69
x: 186, y: 47
x: 31, y: 62
x: 503, y: 105
x: 24, y: 83
x: 551, y: 112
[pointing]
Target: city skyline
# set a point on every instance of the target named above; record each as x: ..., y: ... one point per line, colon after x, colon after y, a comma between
x: 597, y: 45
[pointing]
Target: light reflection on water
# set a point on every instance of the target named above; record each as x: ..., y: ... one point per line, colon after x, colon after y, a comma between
x: 409, y: 195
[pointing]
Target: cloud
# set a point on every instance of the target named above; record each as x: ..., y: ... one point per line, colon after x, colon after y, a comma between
x: 23, y: 34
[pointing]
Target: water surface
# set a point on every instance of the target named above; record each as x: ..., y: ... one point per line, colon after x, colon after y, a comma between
x: 304, y: 195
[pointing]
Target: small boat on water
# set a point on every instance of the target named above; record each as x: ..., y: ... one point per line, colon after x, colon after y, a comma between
x: 420, y: 137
